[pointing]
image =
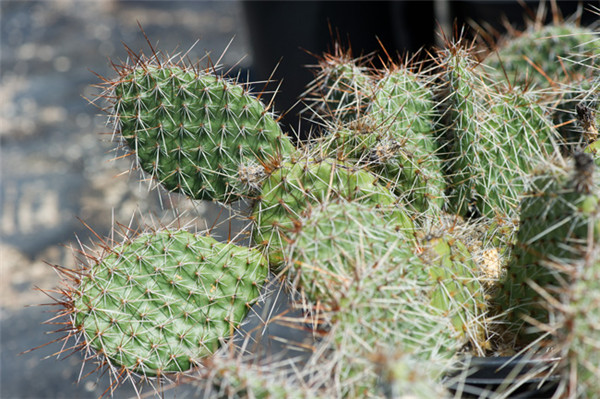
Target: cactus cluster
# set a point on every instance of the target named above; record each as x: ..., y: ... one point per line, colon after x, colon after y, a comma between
x: 440, y: 213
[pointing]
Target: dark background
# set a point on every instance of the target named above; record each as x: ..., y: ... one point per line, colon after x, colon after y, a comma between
x: 58, y: 165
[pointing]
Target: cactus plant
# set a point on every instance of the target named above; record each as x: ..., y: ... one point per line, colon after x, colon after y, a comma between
x: 390, y: 232
x: 378, y: 295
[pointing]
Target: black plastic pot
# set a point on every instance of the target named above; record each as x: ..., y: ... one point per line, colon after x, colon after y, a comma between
x: 505, y: 377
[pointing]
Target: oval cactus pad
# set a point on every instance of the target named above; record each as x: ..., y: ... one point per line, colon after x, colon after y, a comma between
x: 192, y: 130
x: 165, y: 299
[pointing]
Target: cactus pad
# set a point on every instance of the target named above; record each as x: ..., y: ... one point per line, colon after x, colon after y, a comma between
x: 158, y: 303
x: 340, y: 253
x: 558, y: 214
x: 296, y: 186
x: 192, y: 130
x: 546, y: 54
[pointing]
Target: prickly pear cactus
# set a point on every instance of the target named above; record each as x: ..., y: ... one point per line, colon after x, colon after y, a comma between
x: 192, y: 130
x: 396, y: 140
x: 546, y: 54
x: 296, y: 186
x: 161, y: 301
x: 559, y: 214
x: 390, y: 231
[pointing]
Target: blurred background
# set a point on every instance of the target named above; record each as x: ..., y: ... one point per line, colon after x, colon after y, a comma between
x: 61, y: 178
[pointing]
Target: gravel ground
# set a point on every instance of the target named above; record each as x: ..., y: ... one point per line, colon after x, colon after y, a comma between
x: 58, y: 165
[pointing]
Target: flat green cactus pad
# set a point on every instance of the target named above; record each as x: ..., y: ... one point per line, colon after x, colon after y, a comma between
x: 165, y: 299
x: 192, y: 131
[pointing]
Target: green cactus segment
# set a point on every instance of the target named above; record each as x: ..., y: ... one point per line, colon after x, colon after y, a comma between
x: 328, y: 243
x: 545, y: 55
x: 192, y: 131
x: 342, y: 257
x: 493, y: 137
x: 465, y: 123
x: 341, y: 90
x: 379, y: 295
x: 452, y: 267
x: 396, y: 140
x: 295, y: 187
x: 527, y: 137
x: 165, y: 299
x: 557, y: 215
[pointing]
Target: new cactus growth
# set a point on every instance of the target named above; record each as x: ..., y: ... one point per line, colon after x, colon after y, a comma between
x: 161, y: 301
x: 193, y: 130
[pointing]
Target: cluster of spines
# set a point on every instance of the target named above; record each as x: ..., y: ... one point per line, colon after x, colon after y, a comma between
x: 395, y: 139
x: 545, y: 55
x: 342, y: 88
